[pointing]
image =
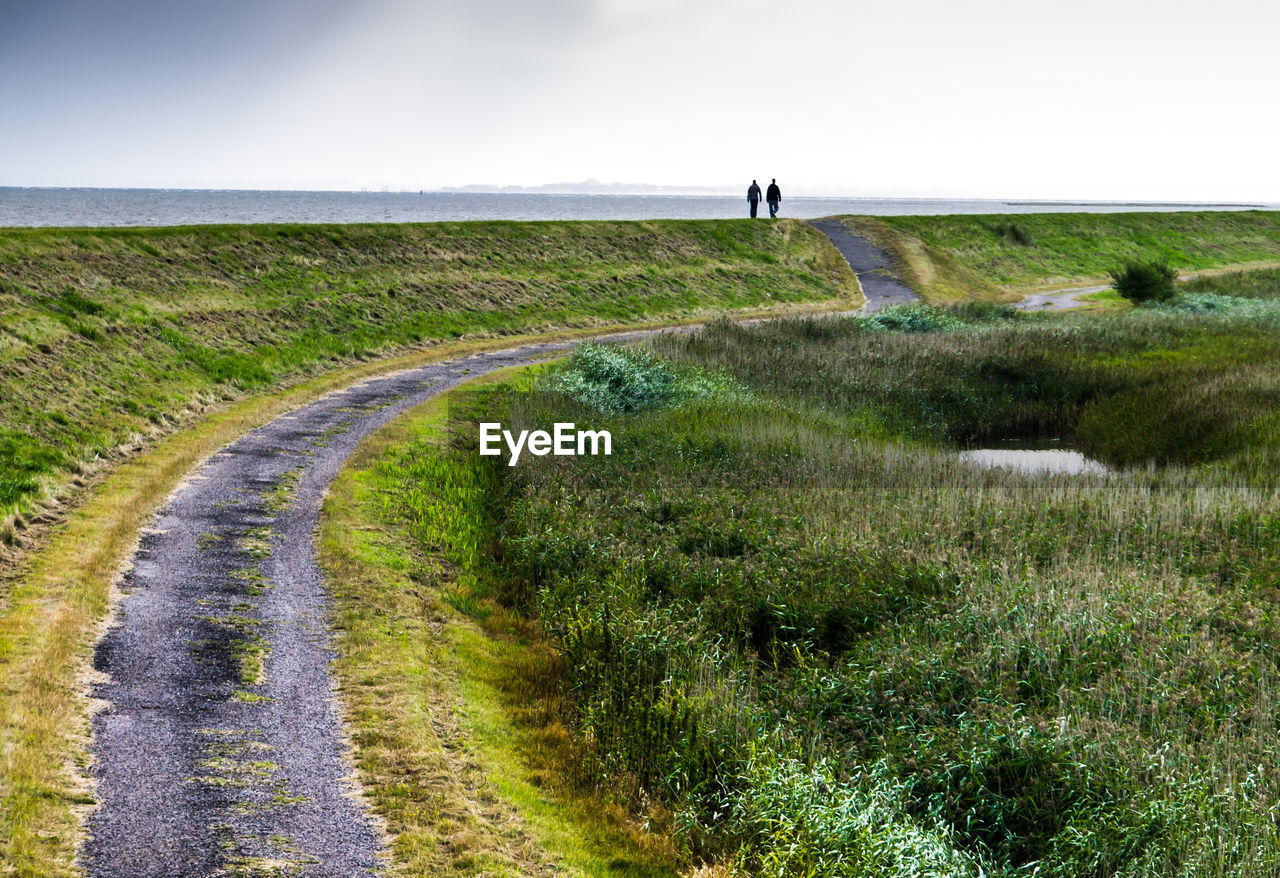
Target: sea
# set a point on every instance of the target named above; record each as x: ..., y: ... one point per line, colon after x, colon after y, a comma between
x: 179, y: 207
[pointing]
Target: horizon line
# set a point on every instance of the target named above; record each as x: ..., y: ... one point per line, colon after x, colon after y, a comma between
x: 643, y: 190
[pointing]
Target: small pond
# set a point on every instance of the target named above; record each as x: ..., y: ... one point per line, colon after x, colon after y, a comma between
x: 1048, y: 456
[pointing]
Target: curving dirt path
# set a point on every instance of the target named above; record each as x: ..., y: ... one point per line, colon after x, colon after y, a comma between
x: 219, y: 750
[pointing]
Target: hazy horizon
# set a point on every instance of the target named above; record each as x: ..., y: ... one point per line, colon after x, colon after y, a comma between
x: 1099, y: 101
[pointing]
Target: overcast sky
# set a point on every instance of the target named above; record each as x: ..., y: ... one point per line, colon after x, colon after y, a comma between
x: 1089, y: 99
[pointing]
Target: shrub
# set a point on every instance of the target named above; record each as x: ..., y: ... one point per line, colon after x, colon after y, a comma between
x: 797, y: 821
x: 910, y: 318
x: 614, y: 380
x: 1145, y: 281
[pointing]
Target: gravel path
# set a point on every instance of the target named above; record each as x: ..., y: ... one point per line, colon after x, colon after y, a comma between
x: 220, y: 750
x: 870, y: 264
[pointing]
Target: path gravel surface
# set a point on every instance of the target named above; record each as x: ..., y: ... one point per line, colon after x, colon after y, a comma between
x: 219, y: 750
x: 1057, y: 300
x: 870, y: 264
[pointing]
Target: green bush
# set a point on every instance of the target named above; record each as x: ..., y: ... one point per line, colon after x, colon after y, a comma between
x: 614, y: 380
x: 911, y: 318
x: 1145, y: 281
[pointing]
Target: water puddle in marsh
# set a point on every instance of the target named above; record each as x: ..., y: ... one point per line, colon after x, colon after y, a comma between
x: 1035, y: 457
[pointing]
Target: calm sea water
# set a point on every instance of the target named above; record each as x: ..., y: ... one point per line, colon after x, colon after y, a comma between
x: 170, y: 207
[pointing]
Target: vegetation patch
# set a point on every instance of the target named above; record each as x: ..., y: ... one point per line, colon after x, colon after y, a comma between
x: 792, y: 616
x: 1145, y: 281
x: 612, y: 379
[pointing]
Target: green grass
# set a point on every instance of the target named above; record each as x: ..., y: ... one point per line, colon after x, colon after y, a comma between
x: 110, y: 337
x: 792, y: 598
x: 954, y: 258
x: 1261, y: 284
x: 456, y: 718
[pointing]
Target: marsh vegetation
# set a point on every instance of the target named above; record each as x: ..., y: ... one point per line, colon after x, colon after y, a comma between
x: 804, y: 638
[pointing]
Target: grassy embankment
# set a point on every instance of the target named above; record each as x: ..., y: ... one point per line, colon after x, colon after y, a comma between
x: 111, y: 339
x: 787, y: 612
x: 1001, y: 257
x: 111, y: 335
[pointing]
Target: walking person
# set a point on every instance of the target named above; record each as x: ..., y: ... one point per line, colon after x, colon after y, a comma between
x: 753, y: 197
x: 774, y: 197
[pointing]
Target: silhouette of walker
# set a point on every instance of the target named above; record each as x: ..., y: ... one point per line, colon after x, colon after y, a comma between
x: 774, y: 197
x: 753, y: 197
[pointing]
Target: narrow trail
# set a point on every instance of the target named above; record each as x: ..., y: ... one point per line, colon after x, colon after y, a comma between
x: 219, y: 750
x: 870, y: 264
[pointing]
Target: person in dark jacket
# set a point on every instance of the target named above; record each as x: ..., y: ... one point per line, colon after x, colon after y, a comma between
x: 774, y: 197
x: 753, y: 197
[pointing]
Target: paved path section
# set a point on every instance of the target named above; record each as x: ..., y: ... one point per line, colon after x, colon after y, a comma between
x: 220, y: 749
x: 870, y: 264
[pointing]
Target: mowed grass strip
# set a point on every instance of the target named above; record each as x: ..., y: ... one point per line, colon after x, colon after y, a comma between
x: 455, y: 716
x: 999, y: 257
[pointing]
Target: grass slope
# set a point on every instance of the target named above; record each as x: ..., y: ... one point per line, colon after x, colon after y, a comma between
x: 107, y: 336
x: 952, y: 258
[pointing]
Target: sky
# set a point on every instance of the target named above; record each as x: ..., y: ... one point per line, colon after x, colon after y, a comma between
x: 1088, y: 99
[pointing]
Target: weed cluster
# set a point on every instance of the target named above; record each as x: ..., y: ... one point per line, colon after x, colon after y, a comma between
x: 909, y: 318
x: 613, y: 380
